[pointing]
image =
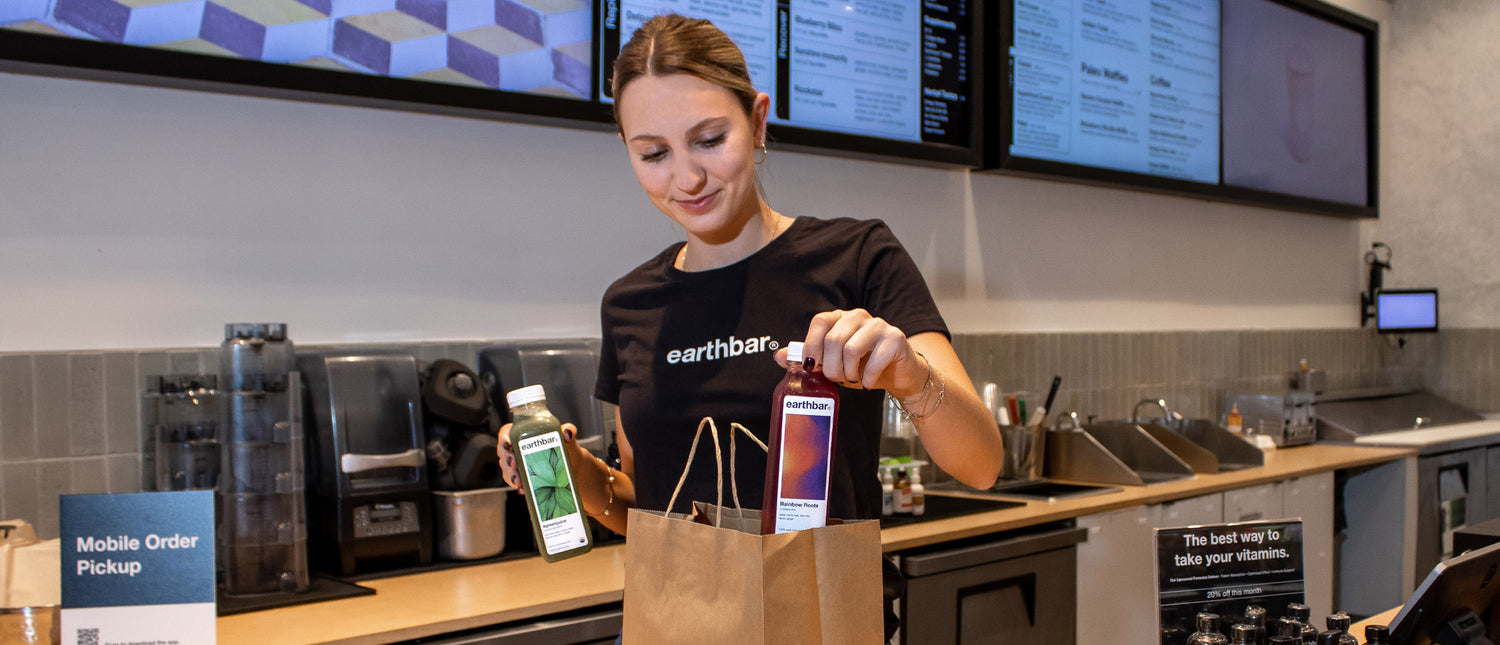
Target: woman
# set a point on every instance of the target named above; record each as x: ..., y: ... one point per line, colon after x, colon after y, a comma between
x: 695, y: 331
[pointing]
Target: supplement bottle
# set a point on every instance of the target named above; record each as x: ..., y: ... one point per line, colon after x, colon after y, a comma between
x: 1339, y: 622
x: 1255, y: 615
x: 1208, y: 631
x: 1303, y: 614
x: 918, y: 493
x: 903, y: 492
x: 1242, y: 634
x: 1234, y: 422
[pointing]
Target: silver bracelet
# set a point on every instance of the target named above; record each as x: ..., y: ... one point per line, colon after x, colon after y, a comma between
x: 925, y: 394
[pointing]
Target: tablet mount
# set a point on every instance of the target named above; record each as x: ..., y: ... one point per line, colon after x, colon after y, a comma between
x: 1464, y: 628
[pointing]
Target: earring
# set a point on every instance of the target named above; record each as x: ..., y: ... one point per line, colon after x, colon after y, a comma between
x: 760, y: 154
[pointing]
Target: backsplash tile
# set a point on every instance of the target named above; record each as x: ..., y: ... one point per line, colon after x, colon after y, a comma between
x: 75, y: 422
x: 54, y: 478
x: 17, y: 425
x: 85, y: 405
x: 122, y: 396
x: 125, y: 474
x: 19, y: 498
x: 185, y: 362
x: 89, y: 476
x: 50, y: 396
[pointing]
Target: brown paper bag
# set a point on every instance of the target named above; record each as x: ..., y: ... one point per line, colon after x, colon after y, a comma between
x: 719, y: 581
x: 30, y: 569
x: 30, y: 586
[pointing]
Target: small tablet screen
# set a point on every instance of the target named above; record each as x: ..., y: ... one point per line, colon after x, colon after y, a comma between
x: 1406, y: 310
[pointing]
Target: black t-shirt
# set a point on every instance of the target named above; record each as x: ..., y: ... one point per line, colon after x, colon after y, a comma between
x: 679, y: 346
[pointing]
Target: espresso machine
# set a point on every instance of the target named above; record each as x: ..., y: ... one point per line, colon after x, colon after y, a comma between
x: 366, y: 467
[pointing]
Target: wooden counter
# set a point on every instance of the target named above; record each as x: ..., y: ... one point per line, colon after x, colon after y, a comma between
x: 1383, y: 618
x: 439, y: 602
x: 444, y: 601
x: 1280, y: 465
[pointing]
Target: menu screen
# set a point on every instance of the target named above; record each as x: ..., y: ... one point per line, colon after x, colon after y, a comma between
x: 1295, y: 111
x: 1129, y: 85
x: 536, y: 48
x: 892, y: 69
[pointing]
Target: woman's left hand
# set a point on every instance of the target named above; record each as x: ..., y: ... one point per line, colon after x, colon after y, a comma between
x: 858, y: 350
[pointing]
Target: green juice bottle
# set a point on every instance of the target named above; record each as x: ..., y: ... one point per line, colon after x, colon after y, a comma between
x: 557, y: 519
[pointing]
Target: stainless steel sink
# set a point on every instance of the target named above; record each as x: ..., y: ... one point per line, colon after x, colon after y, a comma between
x: 1228, y: 451
x: 1113, y: 453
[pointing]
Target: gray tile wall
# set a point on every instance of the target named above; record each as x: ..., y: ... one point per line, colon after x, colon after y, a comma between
x: 72, y: 422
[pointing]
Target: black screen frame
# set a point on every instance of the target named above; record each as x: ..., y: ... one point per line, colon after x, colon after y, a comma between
x: 47, y: 55
x: 916, y: 152
x: 840, y: 144
x: 1436, y: 311
x: 1468, y: 578
x: 24, y: 52
x: 998, y: 120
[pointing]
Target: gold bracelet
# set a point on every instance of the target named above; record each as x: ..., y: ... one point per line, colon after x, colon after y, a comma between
x: 609, y: 484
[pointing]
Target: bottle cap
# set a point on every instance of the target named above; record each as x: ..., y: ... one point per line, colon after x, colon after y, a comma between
x: 1377, y: 634
x: 1299, y: 611
x: 1339, y: 621
x: 521, y: 396
x: 1242, y: 633
x: 794, y: 352
x: 1208, y: 622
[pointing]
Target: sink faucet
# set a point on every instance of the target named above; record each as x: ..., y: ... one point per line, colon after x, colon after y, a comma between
x: 1135, y: 414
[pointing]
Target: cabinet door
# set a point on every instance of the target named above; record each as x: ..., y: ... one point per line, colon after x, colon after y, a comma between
x: 1376, y: 554
x: 1450, y: 492
x: 1254, y: 503
x: 1116, y: 587
x: 1492, y: 475
x: 1311, y: 499
x: 1026, y: 601
x: 1204, y: 509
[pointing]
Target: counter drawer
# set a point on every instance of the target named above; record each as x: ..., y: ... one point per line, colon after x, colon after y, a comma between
x: 1019, y: 588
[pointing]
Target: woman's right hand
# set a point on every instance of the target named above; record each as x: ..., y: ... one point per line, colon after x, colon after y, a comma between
x: 508, y: 458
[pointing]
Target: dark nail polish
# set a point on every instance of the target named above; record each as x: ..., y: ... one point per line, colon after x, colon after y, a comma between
x: 505, y: 444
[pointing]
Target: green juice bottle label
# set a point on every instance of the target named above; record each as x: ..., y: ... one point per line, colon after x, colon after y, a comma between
x: 557, y: 518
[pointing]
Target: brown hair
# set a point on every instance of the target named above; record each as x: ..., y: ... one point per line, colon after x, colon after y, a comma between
x: 674, y: 44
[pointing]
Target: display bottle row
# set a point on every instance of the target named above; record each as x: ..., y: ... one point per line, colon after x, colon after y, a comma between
x: 1295, y: 627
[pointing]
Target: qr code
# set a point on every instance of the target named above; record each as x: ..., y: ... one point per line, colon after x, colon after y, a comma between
x: 88, y: 637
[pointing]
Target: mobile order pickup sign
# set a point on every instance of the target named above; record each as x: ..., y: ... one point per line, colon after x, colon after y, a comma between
x: 1224, y: 568
x: 138, y: 569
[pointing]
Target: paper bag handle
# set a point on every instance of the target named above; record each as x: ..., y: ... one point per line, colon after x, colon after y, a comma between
x: 718, y: 463
x: 734, y: 482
